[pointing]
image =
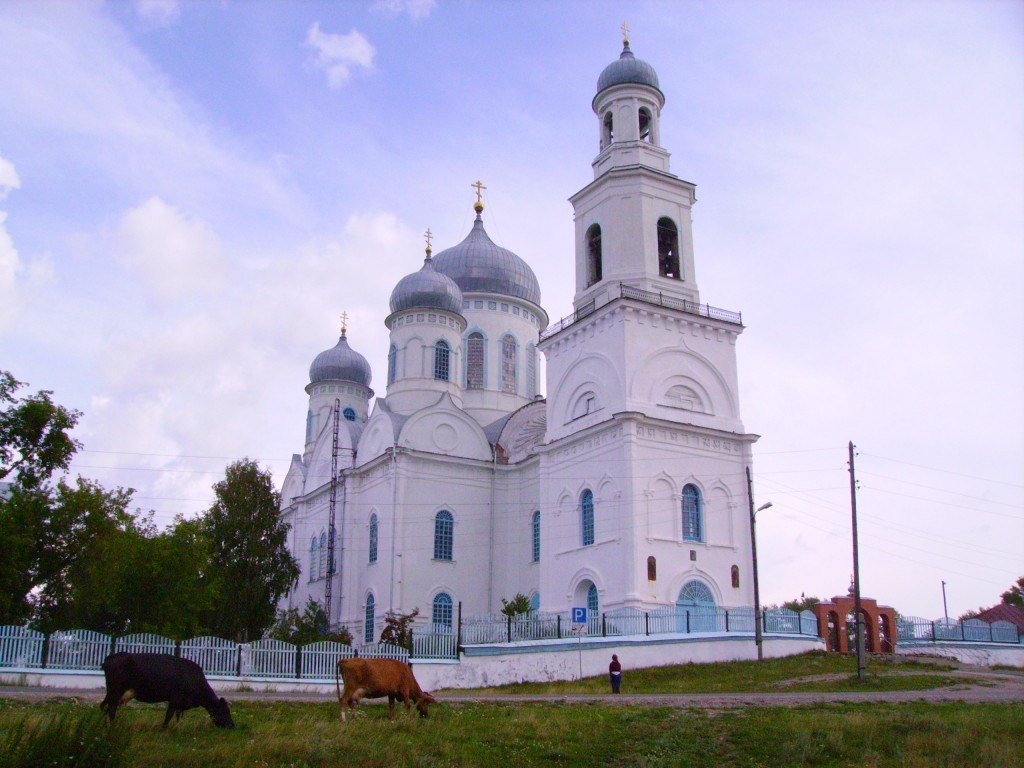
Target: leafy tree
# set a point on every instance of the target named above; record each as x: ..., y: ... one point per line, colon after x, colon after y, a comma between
x: 34, y: 439
x: 1015, y: 594
x: 802, y: 604
x: 310, y: 626
x: 251, y: 566
x: 517, y: 605
x: 398, y: 628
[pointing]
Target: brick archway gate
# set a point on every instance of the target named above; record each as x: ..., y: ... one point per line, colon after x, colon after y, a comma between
x: 879, y: 624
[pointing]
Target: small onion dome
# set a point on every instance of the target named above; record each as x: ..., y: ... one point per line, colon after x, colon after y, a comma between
x: 340, y: 363
x: 627, y: 70
x: 480, y: 266
x: 427, y: 289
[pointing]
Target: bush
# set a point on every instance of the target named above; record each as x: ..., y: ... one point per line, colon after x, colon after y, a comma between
x: 68, y: 740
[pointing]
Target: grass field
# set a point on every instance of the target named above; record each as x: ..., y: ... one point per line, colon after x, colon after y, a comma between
x: 512, y: 734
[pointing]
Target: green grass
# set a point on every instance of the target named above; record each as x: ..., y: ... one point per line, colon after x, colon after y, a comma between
x: 816, y: 671
x: 308, y: 735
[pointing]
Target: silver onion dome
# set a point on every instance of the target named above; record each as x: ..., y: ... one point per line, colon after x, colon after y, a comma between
x: 427, y: 289
x: 340, y: 363
x: 480, y: 266
x: 627, y: 69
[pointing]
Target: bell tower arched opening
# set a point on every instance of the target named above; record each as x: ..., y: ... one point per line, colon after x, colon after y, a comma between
x: 668, y: 248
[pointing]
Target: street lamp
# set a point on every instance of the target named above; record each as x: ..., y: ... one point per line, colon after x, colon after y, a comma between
x: 757, y: 592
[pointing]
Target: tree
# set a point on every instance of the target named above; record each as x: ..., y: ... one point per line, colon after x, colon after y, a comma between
x: 308, y: 627
x: 34, y: 439
x: 251, y: 566
x: 398, y: 628
x: 1015, y: 594
x: 517, y: 605
x: 801, y: 604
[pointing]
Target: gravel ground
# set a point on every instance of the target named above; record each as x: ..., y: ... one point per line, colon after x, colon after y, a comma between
x: 979, y: 685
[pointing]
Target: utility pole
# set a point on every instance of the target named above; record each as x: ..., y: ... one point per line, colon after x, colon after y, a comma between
x: 758, y: 640
x: 328, y: 590
x: 859, y: 618
x: 945, y: 610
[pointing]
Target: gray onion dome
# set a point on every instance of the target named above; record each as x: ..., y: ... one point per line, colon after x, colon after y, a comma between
x: 427, y: 289
x: 340, y: 363
x: 480, y: 266
x: 628, y: 70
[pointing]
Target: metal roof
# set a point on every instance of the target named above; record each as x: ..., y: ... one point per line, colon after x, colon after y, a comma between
x: 428, y: 289
x: 340, y: 363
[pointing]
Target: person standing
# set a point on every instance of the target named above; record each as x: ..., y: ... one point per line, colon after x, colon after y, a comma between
x: 615, y: 673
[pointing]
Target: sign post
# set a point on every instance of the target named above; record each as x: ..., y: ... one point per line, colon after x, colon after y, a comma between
x: 579, y: 628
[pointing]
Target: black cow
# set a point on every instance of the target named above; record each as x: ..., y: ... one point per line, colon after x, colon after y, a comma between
x: 156, y: 677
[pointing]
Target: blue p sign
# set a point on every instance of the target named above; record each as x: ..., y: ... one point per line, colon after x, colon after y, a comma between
x: 579, y: 615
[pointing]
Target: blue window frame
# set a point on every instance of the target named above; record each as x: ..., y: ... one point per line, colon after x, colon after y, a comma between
x: 587, y: 517
x: 693, y: 528
x: 441, y: 611
x: 509, y: 353
x: 368, y: 619
x: 475, y: 361
x: 592, y: 601
x: 535, y: 529
x: 322, y: 571
x: 373, y: 538
x: 444, y: 535
x: 349, y: 414
x: 392, y: 364
x: 314, y: 556
x: 535, y: 602
x: 442, y: 361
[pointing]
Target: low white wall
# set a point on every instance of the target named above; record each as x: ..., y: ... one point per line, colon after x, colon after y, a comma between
x: 490, y: 665
x: 979, y: 654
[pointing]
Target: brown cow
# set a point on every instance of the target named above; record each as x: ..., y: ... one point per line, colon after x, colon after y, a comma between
x: 374, y: 678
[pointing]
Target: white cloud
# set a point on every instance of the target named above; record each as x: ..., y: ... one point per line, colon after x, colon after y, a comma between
x: 10, y: 265
x: 159, y: 13
x: 172, y: 252
x: 417, y: 9
x: 337, y: 55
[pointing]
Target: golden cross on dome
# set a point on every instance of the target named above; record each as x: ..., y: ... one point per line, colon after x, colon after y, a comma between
x: 479, y: 204
x: 625, y: 33
x: 429, y: 237
x: 344, y: 322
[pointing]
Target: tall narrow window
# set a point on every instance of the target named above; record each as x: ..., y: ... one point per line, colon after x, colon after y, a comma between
x: 442, y: 360
x: 593, y: 254
x: 735, y: 577
x: 508, y: 364
x: 392, y: 363
x: 645, y: 124
x: 441, y: 612
x: 373, y: 538
x: 444, y: 534
x: 668, y: 249
x: 692, y: 523
x: 535, y: 530
x: 652, y: 569
x: 531, y: 370
x: 368, y: 618
x: 535, y: 602
x: 475, y: 361
x: 322, y: 568
x: 314, y: 560
x: 593, y: 606
x: 587, y: 517
x: 349, y: 414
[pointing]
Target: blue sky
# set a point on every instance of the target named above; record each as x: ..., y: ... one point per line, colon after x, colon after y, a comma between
x: 192, y: 192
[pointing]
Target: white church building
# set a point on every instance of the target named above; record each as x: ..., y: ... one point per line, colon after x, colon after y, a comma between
x: 624, y: 488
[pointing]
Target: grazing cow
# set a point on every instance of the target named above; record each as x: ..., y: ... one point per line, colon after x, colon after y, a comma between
x: 374, y: 678
x: 156, y: 677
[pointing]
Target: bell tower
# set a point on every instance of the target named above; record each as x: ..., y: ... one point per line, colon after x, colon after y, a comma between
x: 633, y: 223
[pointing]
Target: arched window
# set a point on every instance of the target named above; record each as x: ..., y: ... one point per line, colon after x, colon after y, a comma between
x: 735, y: 577
x: 309, y: 426
x: 698, y: 604
x: 314, y: 561
x: 444, y: 534
x: 322, y: 569
x: 645, y: 124
x: 508, y: 364
x: 535, y: 602
x: 368, y: 618
x: 593, y: 606
x: 442, y: 360
x: 349, y: 414
x: 692, y: 523
x: 607, y: 130
x: 531, y: 370
x: 475, y: 361
x: 392, y: 363
x: 441, y: 612
x: 373, y: 538
x: 652, y: 569
x: 668, y: 249
x: 593, y: 254
x: 587, y: 517
x: 535, y: 530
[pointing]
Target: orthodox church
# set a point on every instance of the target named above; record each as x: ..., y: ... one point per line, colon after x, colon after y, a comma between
x: 462, y: 485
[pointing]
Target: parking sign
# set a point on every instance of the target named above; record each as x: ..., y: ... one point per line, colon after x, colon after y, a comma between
x: 579, y: 615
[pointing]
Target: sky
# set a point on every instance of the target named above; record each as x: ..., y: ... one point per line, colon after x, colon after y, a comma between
x: 191, y: 193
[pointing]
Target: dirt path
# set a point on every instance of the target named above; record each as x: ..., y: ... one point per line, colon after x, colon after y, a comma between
x: 980, y: 685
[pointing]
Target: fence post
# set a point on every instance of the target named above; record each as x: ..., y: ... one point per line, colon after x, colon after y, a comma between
x: 46, y: 650
x: 298, y: 662
x: 962, y: 636
x: 647, y: 623
x: 238, y: 661
x: 113, y: 643
x: 508, y: 627
x: 764, y: 621
x: 687, y: 622
x: 990, y: 632
x: 604, y: 626
x: 458, y: 633
x: 727, y: 621
x: 933, y: 631
x: 558, y: 625
x: 177, y: 649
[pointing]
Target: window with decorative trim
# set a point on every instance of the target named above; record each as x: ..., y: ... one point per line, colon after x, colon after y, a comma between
x: 441, y: 615
x: 322, y: 571
x: 594, y: 265
x: 444, y: 535
x: 373, y: 538
x: 593, y: 604
x: 509, y: 348
x: 693, y: 528
x: 442, y: 361
x: 475, y: 361
x: 392, y: 363
x: 314, y: 558
x: 368, y: 618
x: 668, y: 249
x: 535, y: 531
x: 587, y: 517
